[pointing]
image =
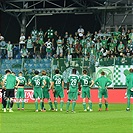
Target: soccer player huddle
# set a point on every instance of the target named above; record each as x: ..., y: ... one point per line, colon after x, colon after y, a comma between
x: 42, y: 84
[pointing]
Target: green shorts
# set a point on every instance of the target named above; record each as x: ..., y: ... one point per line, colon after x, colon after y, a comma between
x: 38, y: 93
x: 59, y: 93
x: 85, y: 93
x: 45, y: 94
x: 102, y: 93
x: 72, y: 95
x: 20, y: 93
x: 129, y: 93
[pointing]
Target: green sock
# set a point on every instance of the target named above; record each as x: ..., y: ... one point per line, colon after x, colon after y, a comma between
x: 84, y: 105
x: 61, y: 104
x: 73, y: 105
x: 128, y: 103
x: 106, y: 105
x: 36, y: 105
x: 8, y: 103
x: 22, y: 103
x: 18, y: 104
x: 55, y: 104
x: 50, y: 104
x: 67, y: 106
x: 41, y: 104
x: 100, y: 105
x: 90, y: 105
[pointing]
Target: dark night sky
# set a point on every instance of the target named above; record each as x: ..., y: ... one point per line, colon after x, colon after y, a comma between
x: 10, y: 29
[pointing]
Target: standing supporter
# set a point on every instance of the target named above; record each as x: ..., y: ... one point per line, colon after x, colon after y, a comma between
x: 41, y: 34
x: 86, y: 83
x: 121, y: 48
x: 57, y: 85
x: 34, y: 33
x: 37, y: 48
x: 102, y: 83
x: 70, y: 39
x: 73, y: 83
x: 78, y: 49
x: 3, y: 46
x: 21, y: 41
x: 59, y: 47
x: 29, y: 46
x: 24, y: 52
x: 9, y: 50
x: 54, y: 41
x: 48, y: 45
x: 131, y: 35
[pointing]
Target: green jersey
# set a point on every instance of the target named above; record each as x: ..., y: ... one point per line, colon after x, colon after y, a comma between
x: 103, y: 82
x: 36, y: 81
x: 73, y: 81
x: 47, y: 80
x: 10, y: 81
x: 57, y: 79
x: 85, y: 81
x: 129, y: 81
x: 22, y: 80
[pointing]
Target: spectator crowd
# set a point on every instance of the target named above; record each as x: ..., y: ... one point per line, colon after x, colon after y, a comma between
x: 96, y: 46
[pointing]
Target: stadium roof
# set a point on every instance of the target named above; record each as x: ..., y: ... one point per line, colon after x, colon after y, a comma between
x: 64, y: 6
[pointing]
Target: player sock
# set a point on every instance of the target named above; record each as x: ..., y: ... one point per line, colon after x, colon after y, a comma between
x: 18, y: 105
x: 128, y: 103
x: 41, y: 104
x: 8, y: 103
x: 4, y: 104
x: 84, y: 105
x: 50, y: 104
x: 90, y: 105
x: 11, y: 104
x: 73, y: 105
x: 22, y: 103
x: 55, y: 104
x: 61, y: 104
x: 67, y: 106
x: 36, y: 105
x: 100, y: 105
x: 106, y: 105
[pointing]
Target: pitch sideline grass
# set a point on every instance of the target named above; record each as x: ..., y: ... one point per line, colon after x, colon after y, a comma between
x: 116, y: 120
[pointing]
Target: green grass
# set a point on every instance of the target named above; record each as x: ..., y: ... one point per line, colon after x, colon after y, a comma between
x: 116, y: 120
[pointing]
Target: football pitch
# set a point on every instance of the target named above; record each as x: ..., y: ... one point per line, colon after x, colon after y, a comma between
x: 116, y: 120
